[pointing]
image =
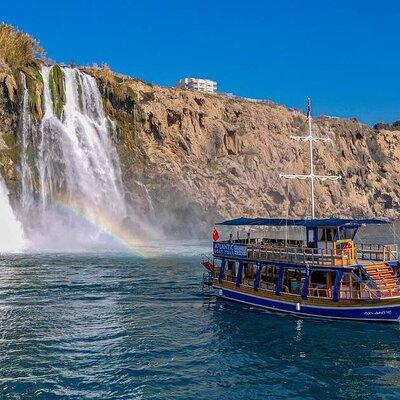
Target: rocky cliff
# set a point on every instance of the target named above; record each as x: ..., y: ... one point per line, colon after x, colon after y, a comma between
x: 189, y: 159
x: 192, y: 158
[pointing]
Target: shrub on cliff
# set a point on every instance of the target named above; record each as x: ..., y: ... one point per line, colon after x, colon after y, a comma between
x: 17, y: 49
x: 388, y: 127
x: 396, y: 125
x: 21, y: 53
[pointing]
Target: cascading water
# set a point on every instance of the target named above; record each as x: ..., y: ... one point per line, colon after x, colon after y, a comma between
x: 76, y: 154
x: 11, y: 233
x: 26, y: 128
x: 70, y: 176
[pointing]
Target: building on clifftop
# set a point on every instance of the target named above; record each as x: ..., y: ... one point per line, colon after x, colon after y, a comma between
x: 201, y: 85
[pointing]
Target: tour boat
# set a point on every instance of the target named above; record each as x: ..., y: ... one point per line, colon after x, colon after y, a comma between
x: 308, y: 267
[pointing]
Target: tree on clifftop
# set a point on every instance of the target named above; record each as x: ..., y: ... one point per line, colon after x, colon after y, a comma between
x: 17, y: 49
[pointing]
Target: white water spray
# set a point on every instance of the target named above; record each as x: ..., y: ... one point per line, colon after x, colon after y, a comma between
x: 11, y: 233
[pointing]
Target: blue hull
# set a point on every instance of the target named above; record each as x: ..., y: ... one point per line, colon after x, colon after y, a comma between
x: 390, y: 313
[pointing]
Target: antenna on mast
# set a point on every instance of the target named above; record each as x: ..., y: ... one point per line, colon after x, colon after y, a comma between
x: 311, y: 176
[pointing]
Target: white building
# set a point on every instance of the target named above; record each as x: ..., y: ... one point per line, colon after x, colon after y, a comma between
x: 201, y: 85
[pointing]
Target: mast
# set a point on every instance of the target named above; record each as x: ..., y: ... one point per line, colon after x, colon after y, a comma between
x: 311, y: 176
x: 311, y: 141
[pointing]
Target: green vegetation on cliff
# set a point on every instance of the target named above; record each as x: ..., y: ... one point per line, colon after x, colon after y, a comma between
x: 121, y: 104
x: 57, y: 89
x: 9, y: 157
x: 21, y: 53
x: 18, y: 53
x: 35, y: 86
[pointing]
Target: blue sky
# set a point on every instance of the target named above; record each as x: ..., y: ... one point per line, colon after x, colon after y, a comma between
x: 343, y: 54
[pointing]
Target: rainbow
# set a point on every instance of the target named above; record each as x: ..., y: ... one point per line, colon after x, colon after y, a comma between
x: 113, y: 230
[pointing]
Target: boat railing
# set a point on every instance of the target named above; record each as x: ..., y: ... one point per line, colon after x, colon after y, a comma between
x: 302, y: 255
x: 317, y: 256
x: 377, y: 252
x: 350, y: 294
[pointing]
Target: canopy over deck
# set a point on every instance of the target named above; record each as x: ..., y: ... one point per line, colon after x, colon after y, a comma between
x: 308, y: 223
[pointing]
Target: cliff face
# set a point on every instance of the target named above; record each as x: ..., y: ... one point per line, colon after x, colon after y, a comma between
x: 189, y: 159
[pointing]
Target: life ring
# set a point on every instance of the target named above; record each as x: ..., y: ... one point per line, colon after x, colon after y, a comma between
x: 347, y: 248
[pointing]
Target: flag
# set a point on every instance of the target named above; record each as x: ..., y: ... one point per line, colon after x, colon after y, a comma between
x: 215, y: 235
x: 308, y: 107
x: 208, y: 265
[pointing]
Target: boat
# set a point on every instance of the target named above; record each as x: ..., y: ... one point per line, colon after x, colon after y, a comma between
x: 310, y: 267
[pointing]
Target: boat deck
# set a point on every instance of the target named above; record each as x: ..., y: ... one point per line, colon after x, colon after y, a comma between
x: 296, y: 254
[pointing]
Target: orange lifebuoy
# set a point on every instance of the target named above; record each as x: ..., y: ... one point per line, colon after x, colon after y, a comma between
x: 347, y: 249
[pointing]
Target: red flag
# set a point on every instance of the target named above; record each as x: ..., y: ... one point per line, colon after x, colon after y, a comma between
x: 215, y: 235
x: 208, y: 265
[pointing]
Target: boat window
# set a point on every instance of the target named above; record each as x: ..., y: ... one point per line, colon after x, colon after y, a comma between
x: 295, y: 280
x: 231, y: 271
x: 312, y: 238
x: 326, y: 234
x: 348, y: 286
x: 249, y: 274
x: 249, y: 270
x: 269, y: 277
x: 347, y: 233
x: 321, y: 284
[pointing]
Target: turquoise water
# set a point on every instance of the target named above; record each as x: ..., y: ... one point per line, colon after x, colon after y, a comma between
x: 113, y: 326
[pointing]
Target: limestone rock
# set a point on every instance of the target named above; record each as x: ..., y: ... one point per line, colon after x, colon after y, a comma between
x: 213, y: 157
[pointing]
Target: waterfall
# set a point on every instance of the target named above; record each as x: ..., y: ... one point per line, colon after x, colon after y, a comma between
x: 11, y: 233
x: 26, y: 127
x: 76, y: 153
x: 71, y: 186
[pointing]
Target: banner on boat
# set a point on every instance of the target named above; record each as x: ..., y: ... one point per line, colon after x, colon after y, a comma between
x: 230, y: 249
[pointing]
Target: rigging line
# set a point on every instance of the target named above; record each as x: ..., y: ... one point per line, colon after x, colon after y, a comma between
x: 287, y: 213
x: 311, y: 176
x: 394, y: 232
x: 358, y: 236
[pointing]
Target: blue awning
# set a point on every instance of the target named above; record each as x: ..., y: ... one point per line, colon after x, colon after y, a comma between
x: 308, y: 223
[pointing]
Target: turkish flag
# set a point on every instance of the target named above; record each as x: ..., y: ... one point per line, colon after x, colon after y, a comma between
x: 215, y: 235
x: 208, y: 265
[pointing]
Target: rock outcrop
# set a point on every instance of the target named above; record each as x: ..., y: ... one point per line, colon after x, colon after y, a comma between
x: 206, y: 157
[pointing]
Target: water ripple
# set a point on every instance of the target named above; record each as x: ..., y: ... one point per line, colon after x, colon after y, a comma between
x: 115, y: 327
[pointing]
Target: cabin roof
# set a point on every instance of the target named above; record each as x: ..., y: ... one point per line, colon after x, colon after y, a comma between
x: 308, y: 223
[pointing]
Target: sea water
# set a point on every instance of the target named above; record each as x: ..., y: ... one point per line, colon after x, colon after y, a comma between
x: 115, y: 326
